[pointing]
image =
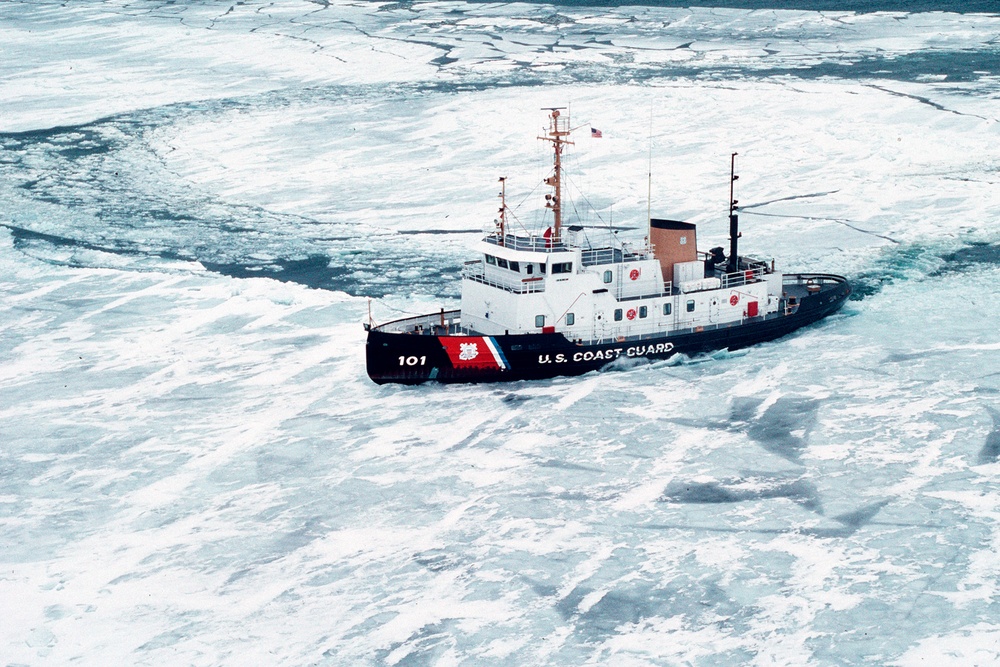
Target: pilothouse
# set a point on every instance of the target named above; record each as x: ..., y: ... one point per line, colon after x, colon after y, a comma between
x: 540, y: 305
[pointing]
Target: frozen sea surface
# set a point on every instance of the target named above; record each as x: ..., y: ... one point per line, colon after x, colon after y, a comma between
x: 197, y: 200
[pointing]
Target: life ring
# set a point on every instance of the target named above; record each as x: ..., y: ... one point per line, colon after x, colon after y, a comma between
x: 734, y: 299
x: 630, y: 314
x: 633, y: 275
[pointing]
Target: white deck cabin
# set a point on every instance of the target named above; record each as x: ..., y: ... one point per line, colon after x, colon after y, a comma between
x: 528, y: 284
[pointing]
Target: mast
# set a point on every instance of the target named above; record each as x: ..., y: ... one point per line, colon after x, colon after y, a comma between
x: 649, y: 182
x: 734, y: 223
x: 502, y: 221
x: 558, y: 130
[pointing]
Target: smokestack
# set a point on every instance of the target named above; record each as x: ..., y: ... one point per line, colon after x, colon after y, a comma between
x: 673, y: 242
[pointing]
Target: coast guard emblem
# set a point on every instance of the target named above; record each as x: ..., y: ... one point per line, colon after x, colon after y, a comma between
x: 474, y: 352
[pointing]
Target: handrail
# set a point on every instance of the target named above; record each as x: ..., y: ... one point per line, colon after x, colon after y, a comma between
x: 526, y: 286
x: 430, y: 319
x: 589, y: 256
x: 582, y: 294
x: 531, y: 243
x: 668, y: 290
x: 597, y: 256
x: 739, y: 278
x: 803, y: 278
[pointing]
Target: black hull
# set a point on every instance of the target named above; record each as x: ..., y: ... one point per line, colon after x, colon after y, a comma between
x: 407, y: 358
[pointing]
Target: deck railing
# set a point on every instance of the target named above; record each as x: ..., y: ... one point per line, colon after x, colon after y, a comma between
x: 812, y: 279
x: 594, y: 256
x: 740, y: 278
x: 475, y: 271
x: 530, y: 243
x: 599, y: 256
x: 589, y: 256
x: 445, y: 322
x: 642, y: 292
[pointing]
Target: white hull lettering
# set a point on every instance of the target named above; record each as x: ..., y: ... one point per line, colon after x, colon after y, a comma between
x: 606, y: 355
x: 549, y: 359
x: 597, y: 355
x: 643, y: 350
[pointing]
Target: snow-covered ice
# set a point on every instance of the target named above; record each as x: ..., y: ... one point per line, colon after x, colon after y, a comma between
x: 197, y: 200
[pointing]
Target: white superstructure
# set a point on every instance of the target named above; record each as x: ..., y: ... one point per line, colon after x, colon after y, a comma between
x: 556, y: 283
x: 529, y: 285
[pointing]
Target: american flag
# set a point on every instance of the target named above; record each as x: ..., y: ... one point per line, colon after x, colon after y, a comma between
x: 595, y: 133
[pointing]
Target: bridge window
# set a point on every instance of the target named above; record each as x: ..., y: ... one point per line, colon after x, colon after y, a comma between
x: 643, y: 311
x: 529, y: 268
x: 618, y: 314
x: 690, y: 306
x: 608, y: 276
x: 539, y: 320
x: 570, y: 319
x: 541, y: 268
x: 501, y: 262
x: 666, y: 309
x: 514, y: 266
x: 490, y: 259
x: 562, y: 267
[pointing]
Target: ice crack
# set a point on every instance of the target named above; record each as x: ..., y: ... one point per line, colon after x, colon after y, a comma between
x: 925, y: 100
x: 840, y: 221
